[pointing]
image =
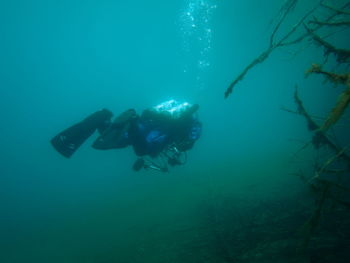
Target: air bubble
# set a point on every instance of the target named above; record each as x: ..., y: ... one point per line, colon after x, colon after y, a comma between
x: 196, y: 29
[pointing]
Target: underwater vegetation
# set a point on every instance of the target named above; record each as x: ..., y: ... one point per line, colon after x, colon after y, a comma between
x: 327, y: 178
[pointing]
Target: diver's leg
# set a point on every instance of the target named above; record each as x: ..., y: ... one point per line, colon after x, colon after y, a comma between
x: 69, y: 140
x: 117, y: 134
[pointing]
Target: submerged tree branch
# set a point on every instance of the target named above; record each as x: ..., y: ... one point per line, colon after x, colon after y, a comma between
x: 338, y: 11
x: 343, y: 99
x: 323, y: 23
x: 342, y: 55
x: 287, y: 8
x: 261, y: 58
x: 303, y: 36
x: 320, y: 137
x: 284, y: 40
x: 272, y: 46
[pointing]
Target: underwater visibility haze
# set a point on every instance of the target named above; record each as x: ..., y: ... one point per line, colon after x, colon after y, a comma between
x: 267, y: 181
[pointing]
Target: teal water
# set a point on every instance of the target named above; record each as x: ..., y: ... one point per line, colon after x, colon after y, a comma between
x: 62, y: 60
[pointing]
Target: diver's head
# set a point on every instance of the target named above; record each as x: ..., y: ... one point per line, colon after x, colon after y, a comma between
x: 190, y: 111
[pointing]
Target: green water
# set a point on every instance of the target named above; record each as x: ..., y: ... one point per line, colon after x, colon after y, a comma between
x: 235, y: 200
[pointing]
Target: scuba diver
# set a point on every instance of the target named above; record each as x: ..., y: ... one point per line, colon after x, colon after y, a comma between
x: 160, y: 136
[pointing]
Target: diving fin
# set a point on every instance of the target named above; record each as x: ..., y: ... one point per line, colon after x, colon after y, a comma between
x: 69, y: 140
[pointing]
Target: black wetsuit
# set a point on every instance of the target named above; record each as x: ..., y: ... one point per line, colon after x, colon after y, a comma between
x: 149, y: 134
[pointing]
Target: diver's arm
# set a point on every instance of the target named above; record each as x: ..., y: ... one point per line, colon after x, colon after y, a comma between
x: 191, y: 136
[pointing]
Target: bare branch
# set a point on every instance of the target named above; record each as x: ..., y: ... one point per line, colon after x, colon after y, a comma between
x: 287, y: 8
x: 311, y: 124
x: 322, y: 23
x: 343, y: 99
x: 338, y: 11
x: 320, y: 137
x: 264, y: 55
x: 303, y: 36
x: 342, y: 55
x: 336, y: 78
x: 295, y: 112
x: 301, y: 21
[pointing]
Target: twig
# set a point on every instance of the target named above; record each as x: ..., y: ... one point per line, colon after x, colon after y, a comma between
x: 338, y: 110
x: 261, y: 58
x: 342, y: 55
x: 311, y: 124
x: 295, y: 112
x: 287, y: 8
x: 343, y: 99
x: 301, y: 21
x: 283, y: 41
x: 320, y: 137
x: 272, y: 46
x: 328, y: 162
x: 322, y: 23
x: 303, y: 36
x: 339, y: 11
x: 334, y: 77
